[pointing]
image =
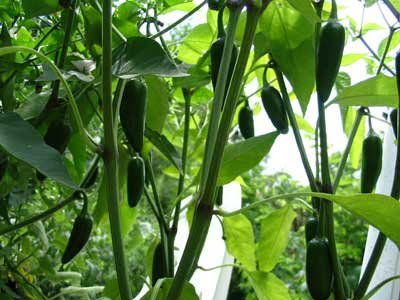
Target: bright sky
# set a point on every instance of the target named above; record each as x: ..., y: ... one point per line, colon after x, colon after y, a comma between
x: 284, y: 155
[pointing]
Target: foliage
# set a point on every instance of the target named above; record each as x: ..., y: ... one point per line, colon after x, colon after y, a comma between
x: 69, y: 61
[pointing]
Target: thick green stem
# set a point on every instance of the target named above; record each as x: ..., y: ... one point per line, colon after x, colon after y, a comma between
x: 203, y: 213
x: 174, y: 228
x: 111, y: 157
x: 345, y: 155
x: 326, y: 206
x: 219, y: 94
x: 296, y: 130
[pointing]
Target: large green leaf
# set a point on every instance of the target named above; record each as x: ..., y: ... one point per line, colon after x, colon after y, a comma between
x: 305, y: 7
x: 143, y: 56
x: 268, y: 287
x: 376, y: 91
x: 239, y: 239
x: 274, y: 237
x: 21, y: 140
x: 381, y: 211
x: 291, y: 40
x: 243, y: 156
x: 40, y: 8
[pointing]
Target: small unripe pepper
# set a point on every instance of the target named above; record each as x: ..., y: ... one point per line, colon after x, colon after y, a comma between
x: 273, y: 106
x: 246, y: 122
x: 371, y: 162
x: 329, y: 57
x: 158, y: 267
x: 135, y: 180
x: 132, y: 113
x: 393, y: 120
x: 80, y: 234
x: 318, y: 268
x: 310, y: 229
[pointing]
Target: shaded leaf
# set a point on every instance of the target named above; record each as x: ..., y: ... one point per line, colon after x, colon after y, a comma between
x: 21, y: 140
x: 165, y: 147
x: 143, y: 56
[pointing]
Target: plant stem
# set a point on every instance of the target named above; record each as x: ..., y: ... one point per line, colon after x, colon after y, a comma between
x: 177, y: 22
x: 219, y: 95
x: 174, y: 228
x: 392, y: 9
x: 389, y: 40
x: 357, y: 121
x: 327, y: 206
x: 203, y: 213
x: 110, y: 157
x: 115, y: 29
x: 295, y: 128
x: 361, y: 38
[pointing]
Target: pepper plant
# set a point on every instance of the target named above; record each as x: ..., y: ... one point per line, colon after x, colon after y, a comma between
x: 95, y: 93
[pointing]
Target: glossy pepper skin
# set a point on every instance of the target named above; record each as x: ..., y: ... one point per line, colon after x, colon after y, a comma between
x: 216, y: 52
x: 329, y: 57
x: 273, y: 106
x: 371, y: 162
x: 135, y: 180
x: 158, y: 267
x: 246, y: 122
x: 132, y: 113
x: 318, y: 269
x: 58, y: 135
x: 3, y: 164
x: 80, y: 234
x: 215, y: 4
x: 393, y: 121
x: 311, y: 229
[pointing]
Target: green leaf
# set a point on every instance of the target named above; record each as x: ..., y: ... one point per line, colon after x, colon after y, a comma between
x: 243, y: 156
x: 21, y: 140
x: 274, y: 237
x: 380, y: 211
x: 92, y: 21
x: 376, y: 91
x: 157, y: 103
x: 304, y: 125
x: 143, y: 56
x: 355, y: 151
x: 350, y: 59
x: 40, y: 8
x: 239, y: 236
x: 162, y: 287
x: 306, y: 9
x: 291, y: 39
x: 393, y: 43
x: 268, y: 287
x: 33, y: 106
x: 165, y: 147
x: 195, y: 44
